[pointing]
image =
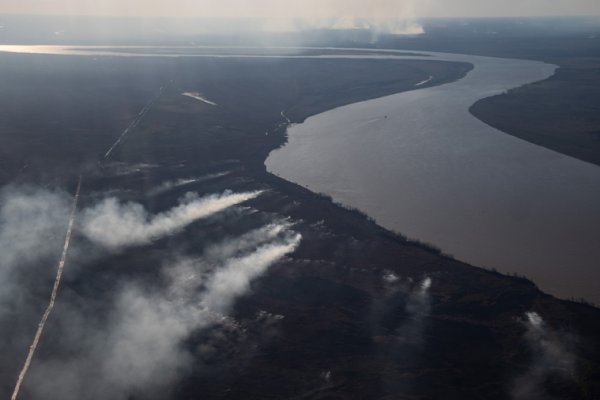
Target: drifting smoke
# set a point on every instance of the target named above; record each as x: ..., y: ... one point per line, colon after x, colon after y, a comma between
x: 234, y: 279
x: 32, y: 226
x: 140, y: 351
x: 170, y: 185
x: 137, y: 345
x: 418, y: 308
x: 415, y: 301
x: 28, y: 219
x: 375, y: 25
x: 114, y: 225
x: 392, y: 16
x: 56, y: 286
x: 247, y: 241
x: 550, y: 358
x: 400, y: 322
x: 390, y: 277
x: 379, y: 16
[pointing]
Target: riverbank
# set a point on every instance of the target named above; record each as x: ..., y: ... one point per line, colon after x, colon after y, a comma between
x: 419, y: 163
x: 561, y: 113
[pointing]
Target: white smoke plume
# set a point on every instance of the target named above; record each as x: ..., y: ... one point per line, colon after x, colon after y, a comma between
x: 418, y: 308
x: 234, y: 278
x: 414, y: 298
x: 32, y: 227
x: 170, y: 185
x: 115, y: 225
x: 550, y: 357
x: 247, y: 241
x: 33, y: 224
x: 138, y: 348
x: 28, y: 219
x: 140, y: 351
x: 400, y: 323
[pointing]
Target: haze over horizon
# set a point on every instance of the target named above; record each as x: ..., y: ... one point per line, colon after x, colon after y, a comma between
x: 408, y: 9
x: 299, y: 199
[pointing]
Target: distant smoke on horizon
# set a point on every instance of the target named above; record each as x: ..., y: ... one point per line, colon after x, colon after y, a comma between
x: 393, y: 26
x: 305, y: 9
x: 195, y: 21
x: 380, y: 16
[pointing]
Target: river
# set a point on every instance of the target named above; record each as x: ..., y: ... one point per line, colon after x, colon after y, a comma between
x: 420, y: 164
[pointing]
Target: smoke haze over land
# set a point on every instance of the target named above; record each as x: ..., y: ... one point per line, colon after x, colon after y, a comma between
x: 32, y: 225
x: 141, y: 348
x: 137, y: 345
x: 69, y: 21
x: 306, y: 9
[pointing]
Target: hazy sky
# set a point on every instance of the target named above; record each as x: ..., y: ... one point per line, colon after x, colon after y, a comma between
x: 304, y: 8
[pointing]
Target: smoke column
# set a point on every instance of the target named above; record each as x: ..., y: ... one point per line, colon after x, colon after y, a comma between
x: 551, y: 357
